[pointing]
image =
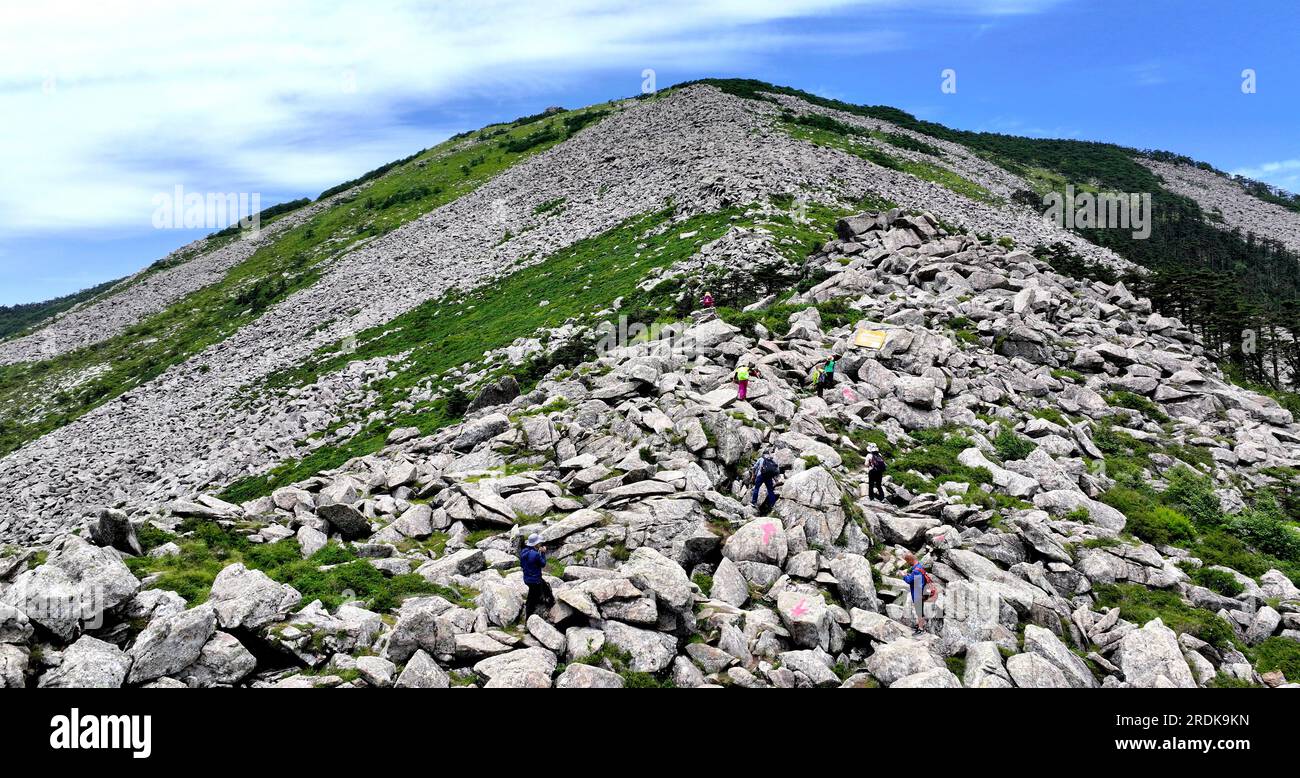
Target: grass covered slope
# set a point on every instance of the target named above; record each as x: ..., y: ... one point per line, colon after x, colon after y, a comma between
x: 449, y: 332
x: 36, y: 398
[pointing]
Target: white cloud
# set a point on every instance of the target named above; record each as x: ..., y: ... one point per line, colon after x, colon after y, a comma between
x: 107, y: 104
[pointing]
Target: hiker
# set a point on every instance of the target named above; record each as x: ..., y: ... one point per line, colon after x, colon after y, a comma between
x: 765, y: 472
x: 707, y: 300
x: 875, y: 473
x: 827, y: 376
x: 920, y: 586
x: 532, y: 558
x: 743, y: 373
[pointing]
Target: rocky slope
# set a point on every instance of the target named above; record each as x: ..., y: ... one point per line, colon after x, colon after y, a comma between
x: 698, y: 147
x: 1018, y: 408
x: 1219, y: 195
x: 185, y: 270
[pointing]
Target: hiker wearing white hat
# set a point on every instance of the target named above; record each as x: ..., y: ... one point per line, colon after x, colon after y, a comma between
x: 532, y: 558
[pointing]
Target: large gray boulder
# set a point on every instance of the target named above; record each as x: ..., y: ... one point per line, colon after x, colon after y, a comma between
x: 729, y: 585
x: 113, y: 529
x: 1047, y: 645
x: 521, y: 662
x: 1033, y: 671
x: 853, y: 576
x: 222, y: 662
x: 89, y: 663
x: 938, y: 678
x: 813, y: 500
x: 895, y: 661
x: 499, y: 392
x: 1063, y: 501
x: 761, y: 540
x: 806, y: 618
x: 580, y: 676
x: 14, y: 625
x: 651, y: 651
x: 249, y: 599
x: 463, y: 562
x: 421, y: 672
x: 650, y: 570
x: 171, y: 643
x: 1151, y: 658
x: 13, y: 666
x: 75, y: 586
x: 984, y: 667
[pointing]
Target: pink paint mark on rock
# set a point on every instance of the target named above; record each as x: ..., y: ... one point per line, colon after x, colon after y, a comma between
x: 769, y: 529
x: 799, y: 609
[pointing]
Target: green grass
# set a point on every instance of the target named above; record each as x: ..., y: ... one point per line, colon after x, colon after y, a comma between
x: 209, y: 548
x: 1139, y: 605
x: 36, y: 398
x: 936, y: 456
x: 705, y: 582
x: 613, y: 658
x: 1278, y: 653
x: 449, y: 331
x: 823, y: 131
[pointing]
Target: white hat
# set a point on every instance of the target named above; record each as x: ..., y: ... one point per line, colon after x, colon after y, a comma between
x: 533, y: 541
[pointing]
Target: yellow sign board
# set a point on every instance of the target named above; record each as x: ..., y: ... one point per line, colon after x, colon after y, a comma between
x: 869, y: 338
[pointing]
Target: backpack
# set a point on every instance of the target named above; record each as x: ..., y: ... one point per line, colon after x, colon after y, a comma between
x: 770, y: 468
x: 877, y: 464
x: 929, y: 591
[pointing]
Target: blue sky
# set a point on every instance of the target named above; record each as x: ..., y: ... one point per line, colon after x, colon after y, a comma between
x: 108, y: 105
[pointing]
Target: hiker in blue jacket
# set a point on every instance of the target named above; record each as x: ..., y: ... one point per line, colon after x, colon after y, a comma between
x: 765, y: 472
x: 919, y: 584
x: 532, y: 558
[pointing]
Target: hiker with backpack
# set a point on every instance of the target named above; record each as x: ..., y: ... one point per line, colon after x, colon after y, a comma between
x: 875, y: 473
x: 920, y: 587
x: 765, y: 472
x: 826, y: 377
x: 743, y: 373
x: 532, y: 558
x: 707, y: 300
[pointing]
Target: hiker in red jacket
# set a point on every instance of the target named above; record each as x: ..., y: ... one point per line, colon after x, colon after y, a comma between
x: 707, y: 300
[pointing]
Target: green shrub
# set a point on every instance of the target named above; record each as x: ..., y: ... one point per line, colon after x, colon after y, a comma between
x: 1193, y: 494
x: 1225, y: 681
x: 1010, y: 446
x: 1052, y: 415
x: 1263, y: 527
x: 1147, y: 518
x: 1220, y: 581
